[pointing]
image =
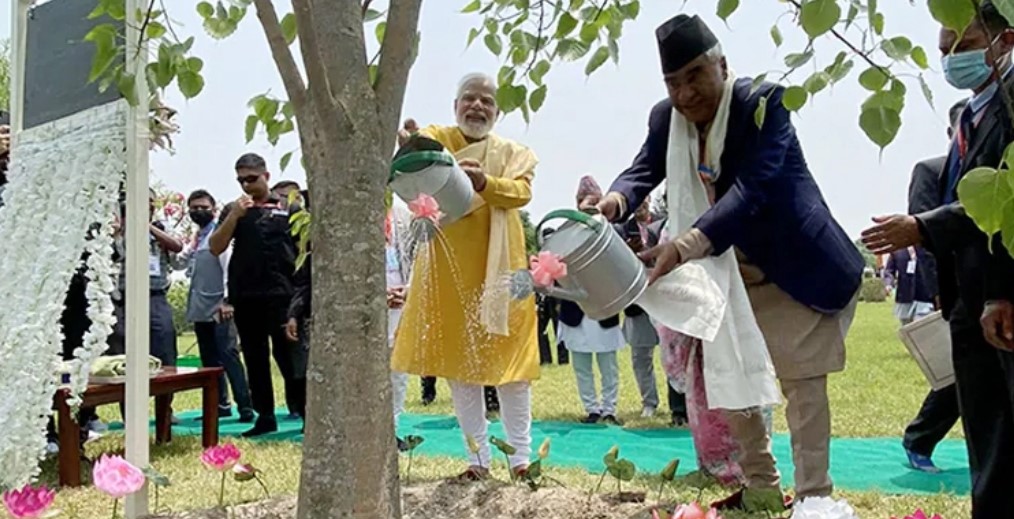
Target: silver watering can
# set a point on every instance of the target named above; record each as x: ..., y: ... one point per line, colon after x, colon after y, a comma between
x: 603, y: 275
x: 433, y: 173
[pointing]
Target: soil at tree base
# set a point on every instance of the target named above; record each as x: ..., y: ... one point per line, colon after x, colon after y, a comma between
x: 487, y: 500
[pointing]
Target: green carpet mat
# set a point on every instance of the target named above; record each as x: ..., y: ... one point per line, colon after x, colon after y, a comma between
x: 868, y: 464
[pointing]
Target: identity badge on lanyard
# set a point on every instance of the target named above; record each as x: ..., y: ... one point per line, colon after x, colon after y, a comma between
x: 154, y: 259
x: 910, y: 268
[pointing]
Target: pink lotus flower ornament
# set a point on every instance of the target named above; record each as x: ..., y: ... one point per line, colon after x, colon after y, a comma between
x: 221, y: 457
x: 28, y: 503
x: 546, y: 268
x: 425, y: 206
x: 690, y: 511
x: 116, y: 477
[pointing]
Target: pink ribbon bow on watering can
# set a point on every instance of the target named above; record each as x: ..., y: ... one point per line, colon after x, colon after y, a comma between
x: 546, y: 268
x: 425, y: 206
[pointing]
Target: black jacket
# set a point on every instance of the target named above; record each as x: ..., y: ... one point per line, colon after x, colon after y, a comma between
x: 968, y: 274
x: 924, y: 195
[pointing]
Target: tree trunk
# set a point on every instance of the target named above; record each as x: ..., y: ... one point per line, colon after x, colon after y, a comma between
x: 350, y: 464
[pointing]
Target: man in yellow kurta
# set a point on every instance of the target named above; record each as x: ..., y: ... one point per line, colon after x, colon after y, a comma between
x: 459, y: 321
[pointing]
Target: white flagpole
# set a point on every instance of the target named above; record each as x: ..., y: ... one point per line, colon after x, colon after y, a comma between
x: 137, y: 290
x: 19, y: 41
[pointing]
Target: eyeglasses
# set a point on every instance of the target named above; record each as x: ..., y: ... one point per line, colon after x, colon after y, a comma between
x: 248, y: 179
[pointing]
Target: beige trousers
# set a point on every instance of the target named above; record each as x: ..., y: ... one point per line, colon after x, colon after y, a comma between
x: 809, y: 418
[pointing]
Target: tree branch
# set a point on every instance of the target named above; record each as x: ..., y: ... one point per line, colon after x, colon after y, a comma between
x: 856, y: 50
x: 316, y: 78
x: 292, y: 78
x: 396, y: 58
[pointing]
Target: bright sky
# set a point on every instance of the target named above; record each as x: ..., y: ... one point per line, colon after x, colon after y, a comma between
x: 588, y: 125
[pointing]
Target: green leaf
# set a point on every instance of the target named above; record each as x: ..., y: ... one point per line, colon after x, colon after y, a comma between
x: 698, y: 480
x: 505, y: 76
x: 840, y: 68
x: 816, y: 82
x: 873, y: 79
x: 205, y: 9
x: 726, y: 8
x: 614, y: 50
x: 100, y: 9
x: 597, y: 60
x: 494, y: 44
x: 104, y: 38
x: 565, y: 26
x: 1006, y: 8
x: 983, y: 193
x: 414, y: 441
x: 956, y: 16
x: 155, y: 477
x: 534, y: 470
x: 897, y: 48
x: 287, y: 111
x: 589, y: 32
x: 571, y: 49
x: 472, y: 7
x: 761, y: 112
x: 195, y: 64
x: 127, y: 85
x: 851, y: 17
x: 190, y: 83
x: 380, y: 31
x: 537, y: 98
x: 511, y: 97
x: 794, y: 98
x: 669, y: 472
x: 265, y: 108
x: 881, y: 124
x: 372, y: 15
x: 251, y: 127
x: 289, y: 28
x: 116, y: 9
x: 799, y: 59
x: 539, y: 72
x: 625, y: 470
x: 284, y: 163
x: 472, y: 35
x: 154, y: 30
x: 878, y: 23
x: 610, y: 457
x: 819, y: 16
x: 776, y: 35
x: 757, y: 82
x: 759, y: 501
x: 926, y: 92
x: 503, y: 446
x: 631, y: 10
x: 919, y: 57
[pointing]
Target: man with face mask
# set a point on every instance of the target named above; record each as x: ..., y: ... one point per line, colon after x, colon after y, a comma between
x: 208, y: 310
x: 751, y: 214
x: 976, y: 285
x: 455, y: 324
x: 260, y: 288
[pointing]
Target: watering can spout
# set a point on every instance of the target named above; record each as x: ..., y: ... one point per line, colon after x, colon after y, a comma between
x: 574, y: 295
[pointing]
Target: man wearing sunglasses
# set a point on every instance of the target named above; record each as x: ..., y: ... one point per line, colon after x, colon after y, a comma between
x: 260, y: 287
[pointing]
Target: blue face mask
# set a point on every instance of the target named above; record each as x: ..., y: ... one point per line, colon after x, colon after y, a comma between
x: 967, y: 70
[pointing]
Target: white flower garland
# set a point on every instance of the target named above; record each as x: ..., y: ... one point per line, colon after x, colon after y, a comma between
x: 65, y: 176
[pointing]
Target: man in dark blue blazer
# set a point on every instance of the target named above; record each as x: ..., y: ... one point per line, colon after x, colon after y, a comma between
x: 802, y: 271
x: 976, y: 281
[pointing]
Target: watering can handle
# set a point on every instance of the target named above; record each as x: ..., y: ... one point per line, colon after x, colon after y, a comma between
x: 417, y: 160
x: 569, y: 214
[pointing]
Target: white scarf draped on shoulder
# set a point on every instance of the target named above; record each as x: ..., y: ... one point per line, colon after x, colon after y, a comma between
x: 706, y: 298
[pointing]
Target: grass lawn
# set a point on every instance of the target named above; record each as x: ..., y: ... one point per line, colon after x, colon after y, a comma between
x: 876, y: 397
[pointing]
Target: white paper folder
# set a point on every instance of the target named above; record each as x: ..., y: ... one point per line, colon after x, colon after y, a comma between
x: 929, y: 342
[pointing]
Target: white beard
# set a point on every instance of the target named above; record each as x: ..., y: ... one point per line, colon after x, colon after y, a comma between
x: 475, y: 131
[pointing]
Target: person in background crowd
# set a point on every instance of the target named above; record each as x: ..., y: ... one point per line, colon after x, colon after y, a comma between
x: 260, y: 288
x: 502, y: 350
x: 976, y: 285
x: 282, y: 189
x: 638, y: 330
x: 905, y: 271
x: 208, y: 310
x: 939, y: 411
x: 802, y: 286
x: 5, y: 149
x: 588, y: 341
x: 399, y: 255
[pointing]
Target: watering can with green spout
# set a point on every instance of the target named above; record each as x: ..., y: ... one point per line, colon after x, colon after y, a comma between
x: 603, y: 275
x: 424, y: 167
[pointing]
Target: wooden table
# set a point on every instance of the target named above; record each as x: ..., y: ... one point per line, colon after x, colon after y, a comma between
x: 171, y: 380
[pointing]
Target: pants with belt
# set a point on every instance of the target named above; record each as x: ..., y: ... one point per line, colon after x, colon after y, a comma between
x: 258, y: 321
x: 217, y: 344
x: 985, y: 390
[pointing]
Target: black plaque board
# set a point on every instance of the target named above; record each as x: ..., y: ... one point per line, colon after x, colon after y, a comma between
x: 58, y: 61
